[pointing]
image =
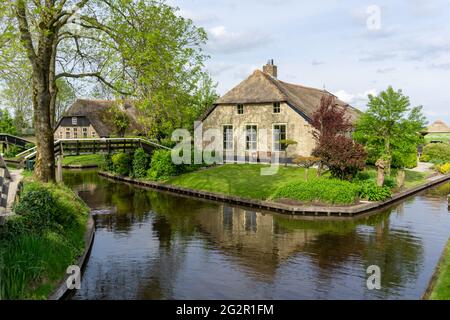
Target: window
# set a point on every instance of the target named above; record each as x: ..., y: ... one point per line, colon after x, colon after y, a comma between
x: 85, y: 133
x: 251, y: 133
x: 279, y: 133
x: 250, y: 221
x: 227, y: 137
x: 240, y: 109
x: 75, y: 135
x: 67, y: 129
x: 227, y: 218
x: 74, y: 121
x: 276, y: 107
x: 67, y: 134
x: 93, y: 134
x: 60, y: 134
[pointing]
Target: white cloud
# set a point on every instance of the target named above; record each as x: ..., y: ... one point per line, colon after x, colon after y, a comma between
x: 356, y: 99
x: 221, y: 40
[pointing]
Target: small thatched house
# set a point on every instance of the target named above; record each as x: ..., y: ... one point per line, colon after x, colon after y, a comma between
x: 262, y: 112
x: 438, y: 126
x: 96, y: 119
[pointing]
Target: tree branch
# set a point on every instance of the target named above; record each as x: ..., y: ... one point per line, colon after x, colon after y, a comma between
x: 94, y: 75
x: 25, y: 34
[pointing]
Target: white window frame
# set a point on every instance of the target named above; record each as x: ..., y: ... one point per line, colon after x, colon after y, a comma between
x: 232, y: 136
x: 273, y: 135
x: 74, y: 121
x: 245, y: 136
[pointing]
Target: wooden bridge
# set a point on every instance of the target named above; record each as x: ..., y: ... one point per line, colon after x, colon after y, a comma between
x: 65, y: 147
x: 6, y: 138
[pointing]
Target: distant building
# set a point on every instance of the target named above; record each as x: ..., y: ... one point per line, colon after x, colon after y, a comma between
x: 439, y: 131
x: 94, y: 119
x: 262, y: 111
x: 438, y: 126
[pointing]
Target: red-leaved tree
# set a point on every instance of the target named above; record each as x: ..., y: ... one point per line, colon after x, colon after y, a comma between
x: 334, y: 146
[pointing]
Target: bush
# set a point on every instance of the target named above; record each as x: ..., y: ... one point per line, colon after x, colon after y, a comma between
x: 140, y: 163
x: 370, y: 191
x: 444, y: 168
x: 121, y: 163
x: 37, y: 207
x: 425, y: 158
x: 438, y: 153
x: 12, y: 151
x: 409, y: 161
x: 162, y: 167
x: 390, y: 182
x: 332, y: 191
x: 107, y: 163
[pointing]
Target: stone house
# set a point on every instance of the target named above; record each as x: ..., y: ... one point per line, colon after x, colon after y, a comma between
x: 94, y: 119
x: 261, y: 111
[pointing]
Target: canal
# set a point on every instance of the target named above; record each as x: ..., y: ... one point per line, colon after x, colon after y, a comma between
x: 154, y: 245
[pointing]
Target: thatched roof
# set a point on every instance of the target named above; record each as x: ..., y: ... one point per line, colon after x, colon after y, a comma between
x: 438, y: 126
x: 97, y: 111
x: 260, y: 87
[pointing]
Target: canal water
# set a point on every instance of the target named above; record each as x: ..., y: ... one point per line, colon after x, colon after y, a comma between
x: 154, y: 245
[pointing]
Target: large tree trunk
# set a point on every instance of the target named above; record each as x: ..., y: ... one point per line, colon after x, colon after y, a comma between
x: 45, y: 160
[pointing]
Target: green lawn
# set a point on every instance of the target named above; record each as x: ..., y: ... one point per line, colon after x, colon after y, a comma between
x: 441, y: 290
x: 83, y: 160
x: 243, y: 180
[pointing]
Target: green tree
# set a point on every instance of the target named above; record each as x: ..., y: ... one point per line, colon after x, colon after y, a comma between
x: 141, y: 48
x: 390, y: 128
x: 7, y: 123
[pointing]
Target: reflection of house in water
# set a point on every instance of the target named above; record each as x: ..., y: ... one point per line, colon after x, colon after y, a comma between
x: 253, y: 238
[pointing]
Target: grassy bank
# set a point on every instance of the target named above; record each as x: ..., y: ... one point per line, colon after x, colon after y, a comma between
x: 41, y: 241
x: 83, y: 160
x: 441, y: 290
x: 245, y: 180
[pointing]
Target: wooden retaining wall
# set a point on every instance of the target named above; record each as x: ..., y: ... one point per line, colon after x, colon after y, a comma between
x: 300, y: 210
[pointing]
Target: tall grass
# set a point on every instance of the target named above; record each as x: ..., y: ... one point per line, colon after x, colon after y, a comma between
x: 33, y: 259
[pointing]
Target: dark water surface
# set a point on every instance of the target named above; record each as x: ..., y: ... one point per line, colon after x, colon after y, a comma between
x: 153, y: 245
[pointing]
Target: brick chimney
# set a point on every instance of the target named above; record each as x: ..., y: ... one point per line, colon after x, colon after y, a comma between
x: 270, y: 69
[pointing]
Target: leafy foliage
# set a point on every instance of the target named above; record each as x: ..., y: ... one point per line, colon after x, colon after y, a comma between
x: 332, y: 191
x: 306, y: 162
x: 7, y: 123
x: 121, y: 163
x: 162, y: 166
x: 444, y: 168
x: 369, y: 190
x: 120, y: 119
x: 390, y: 127
x: 337, y: 151
x: 436, y: 153
x: 140, y: 163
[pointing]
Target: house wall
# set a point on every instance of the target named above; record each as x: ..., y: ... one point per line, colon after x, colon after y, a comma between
x: 68, y: 132
x: 298, y: 129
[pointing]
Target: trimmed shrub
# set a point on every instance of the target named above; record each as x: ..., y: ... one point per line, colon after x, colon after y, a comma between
x: 161, y: 166
x: 332, y: 191
x: 121, y: 163
x: 369, y: 190
x: 438, y: 153
x: 140, y: 163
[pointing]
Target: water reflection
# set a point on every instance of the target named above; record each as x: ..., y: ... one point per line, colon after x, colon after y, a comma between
x: 155, y: 245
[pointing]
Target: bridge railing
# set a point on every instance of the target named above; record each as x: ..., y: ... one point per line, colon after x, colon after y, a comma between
x: 99, y: 145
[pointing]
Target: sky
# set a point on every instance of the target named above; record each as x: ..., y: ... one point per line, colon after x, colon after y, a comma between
x: 352, y: 48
